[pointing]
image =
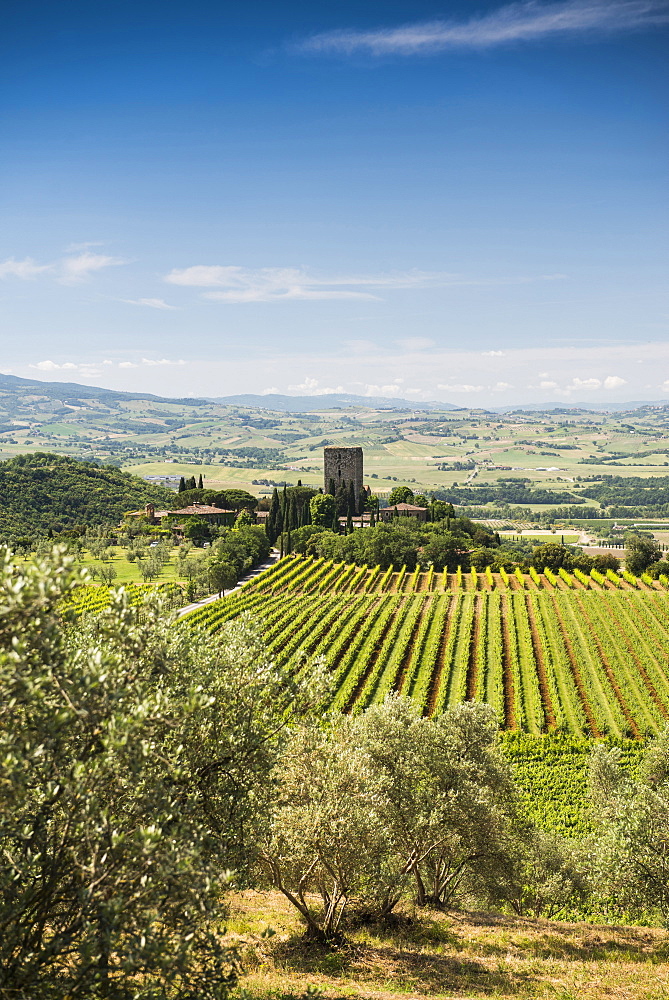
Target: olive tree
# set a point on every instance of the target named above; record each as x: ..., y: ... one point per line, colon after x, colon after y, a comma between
x: 326, y: 836
x: 373, y: 808
x: 447, y: 792
x: 630, y: 852
x: 135, y: 760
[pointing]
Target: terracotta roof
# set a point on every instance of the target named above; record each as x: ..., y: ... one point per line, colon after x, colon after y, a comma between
x: 404, y: 506
x: 200, y: 508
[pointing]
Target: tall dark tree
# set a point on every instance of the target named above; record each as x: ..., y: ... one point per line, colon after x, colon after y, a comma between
x: 349, y: 523
x: 291, y: 521
x: 342, y: 499
x: 182, y: 485
x: 332, y: 489
x: 200, y: 483
x: 352, y: 505
x: 274, y: 511
x: 191, y: 484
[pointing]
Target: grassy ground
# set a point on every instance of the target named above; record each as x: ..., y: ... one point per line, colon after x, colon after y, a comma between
x: 453, y: 955
x: 128, y: 572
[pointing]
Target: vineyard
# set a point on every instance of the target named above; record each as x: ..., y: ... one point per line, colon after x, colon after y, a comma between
x: 90, y: 600
x: 550, y: 652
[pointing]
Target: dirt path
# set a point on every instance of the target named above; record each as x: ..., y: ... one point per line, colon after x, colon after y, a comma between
x: 509, y: 694
x: 439, y: 664
x: 541, y: 663
x: 609, y: 671
x: 474, y: 641
x: 273, y: 558
x: 575, y: 670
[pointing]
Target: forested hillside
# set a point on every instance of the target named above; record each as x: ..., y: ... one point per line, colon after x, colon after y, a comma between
x: 42, y: 492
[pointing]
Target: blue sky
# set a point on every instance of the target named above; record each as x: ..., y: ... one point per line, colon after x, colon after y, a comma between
x: 460, y: 201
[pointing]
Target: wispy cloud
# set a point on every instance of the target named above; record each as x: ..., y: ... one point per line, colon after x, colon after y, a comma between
x: 154, y: 363
x: 69, y: 270
x: 81, y: 266
x: 151, y: 303
x: 234, y: 284
x: 23, y: 269
x: 415, y: 343
x: 267, y: 284
x: 517, y: 22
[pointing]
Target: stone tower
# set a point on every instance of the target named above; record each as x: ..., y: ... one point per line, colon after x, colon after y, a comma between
x: 343, y: 465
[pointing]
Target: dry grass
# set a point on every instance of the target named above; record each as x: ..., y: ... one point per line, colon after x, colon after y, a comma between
x: 470, y: 956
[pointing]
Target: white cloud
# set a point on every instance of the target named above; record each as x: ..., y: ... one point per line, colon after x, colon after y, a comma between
x: 24, y: 269
x: 548, y: 385
x: 516, y: 22
x: 83, y: 369
x: 162, y: 361
x: 501, y: 386
x: 273, y: 390
x: 312, y: 387
x: 272, y: 284
x: 465, y: 387
x: 68, y: 270
x: 360, y: 346
x: 415, y: 343
x: 51, y: 366
x: 492, y: 354
x: 127, y: 364
x: 583, y: 383
x: 614, y: 382
x: 280, y: 284
x: 152, y: 303
x: 392, y: 389
x: 80, y: 267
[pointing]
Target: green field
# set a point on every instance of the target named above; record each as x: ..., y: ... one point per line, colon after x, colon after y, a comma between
x: 551, y: 653
x: 234, y: 445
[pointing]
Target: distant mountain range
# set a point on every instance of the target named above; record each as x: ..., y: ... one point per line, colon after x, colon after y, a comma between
x: 72, y: 390
x: 304, y: 404
x: 297, y: 404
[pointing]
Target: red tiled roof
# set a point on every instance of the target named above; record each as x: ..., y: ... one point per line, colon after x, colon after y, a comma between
x: 200, y: 508
x: 404, y: 506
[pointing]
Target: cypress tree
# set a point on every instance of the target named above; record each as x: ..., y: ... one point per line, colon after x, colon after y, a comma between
x: 182, y: 485
x: 192, y: 485
x: 289, y: 546
x: 200, y: 483
x: 349, y: 523
x: 372, y: 519
x: 291, y: 521
x: 306, y: 516
x: 342, y: 500
x: 332, y: 489
x: 274, y: 508
x: 352, y: 506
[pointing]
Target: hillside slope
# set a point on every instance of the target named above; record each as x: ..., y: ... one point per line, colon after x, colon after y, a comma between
x: 41, y: 491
